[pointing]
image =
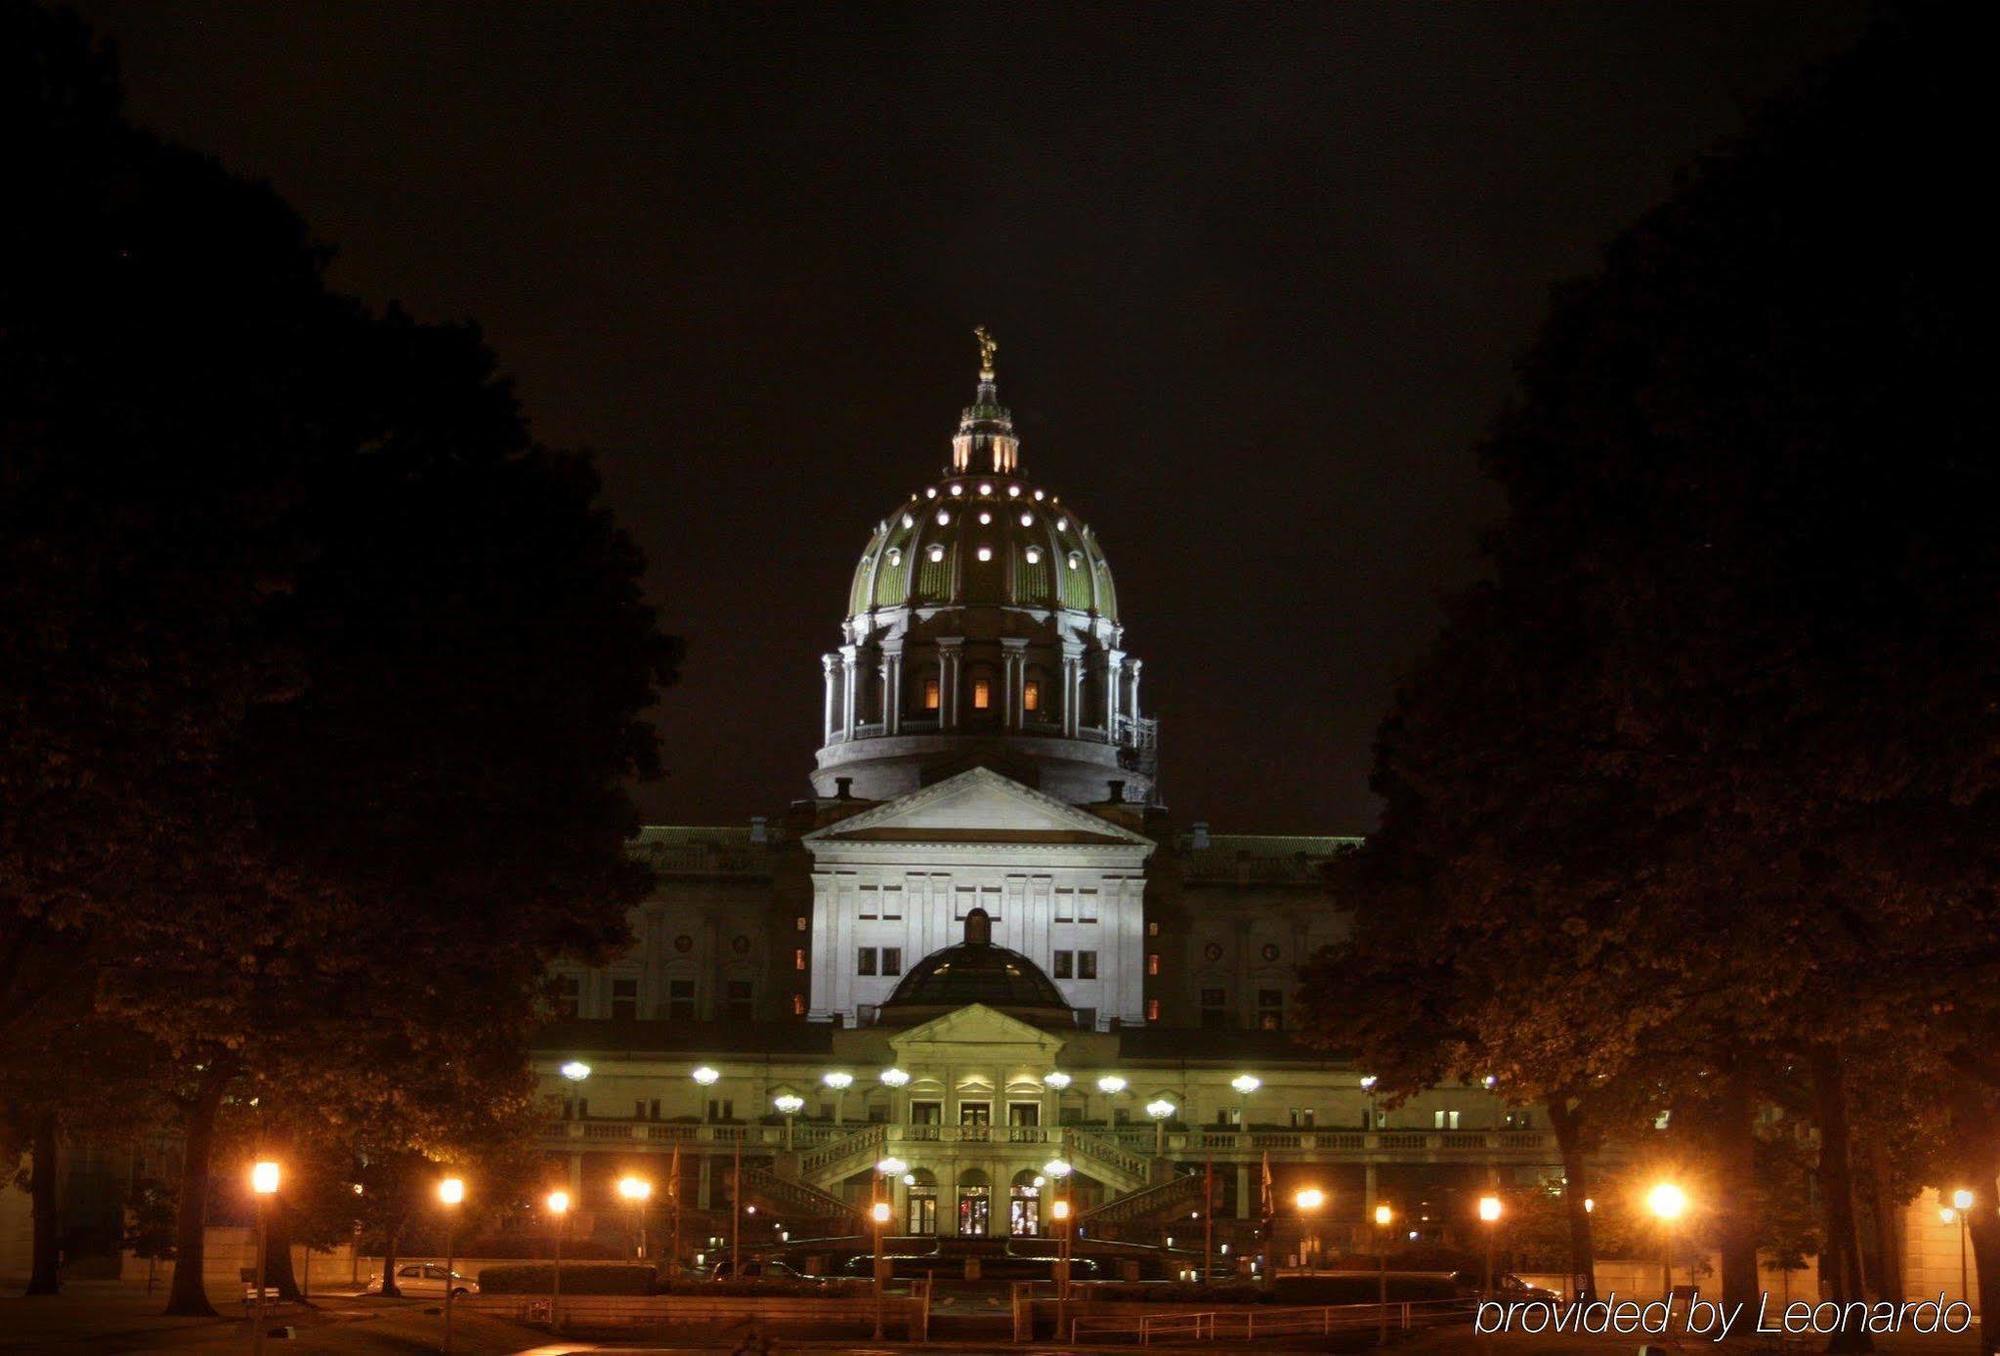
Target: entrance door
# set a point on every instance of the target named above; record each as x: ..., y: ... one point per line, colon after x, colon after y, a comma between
x: 923, y: 1211
x: 1024, y: 1212
x: 975, y: 1204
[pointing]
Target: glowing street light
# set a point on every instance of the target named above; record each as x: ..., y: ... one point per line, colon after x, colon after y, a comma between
x: 789, y: 1104
x: 1489, y: 1212
x: 1057, y: 1079
x: 1161, y: 1110
x: 1667, y: 1202
x: 1111, y: 1085
x: 575, y: 1071
x: 840, y: 1081
x: 638, y: 1191
x: 263, y: 1185
x: 1384, y: 1217
x: 895, y: 1078
x: 1245, y: 1084
x: 1308, y: 1200
x: 1961, y: 1201
x: 558, y: 1208
x: 451, y: 1193
x: 706, y: 1076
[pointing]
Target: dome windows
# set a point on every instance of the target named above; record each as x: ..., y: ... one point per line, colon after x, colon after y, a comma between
x: 1076, y: 560
x: 986, y: 553
x: 1034, y: 554
x: 1038, y: 495
x: 944, y: 518
x: 1027, y: 520
x: 957, y: 490
x: 909, y: 520
x: 895, y: 555
x: 936, y: 553
x: 931, y: 493
x: 1062, y: 524
x: 985, y: 519
x: 1013, y: 491
x: 986, y: 487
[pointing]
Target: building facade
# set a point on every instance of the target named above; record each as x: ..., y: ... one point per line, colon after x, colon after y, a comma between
x: 982, y: 945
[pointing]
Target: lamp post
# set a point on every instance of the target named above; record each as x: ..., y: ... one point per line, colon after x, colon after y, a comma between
x: 263, y: 1186
x: 1368, y: 1086
x: 1667, y: 1202
x: 558, y: 1204
x: 840, y: 1083
x: 1060, y: 1081
x: 451, y: 1191
x: 1309, y: 1201
x: 789, y: 1105
x: 1961, y: 1201
x: 1110, y: 1085
x: 1160, y: 1109
x: 1057, y: 1170
x: 1384, y: 1216
x: 638, y: 1191
x: 1244, y: 1084
x: 706, y: 1077
x: 1489, y: 1212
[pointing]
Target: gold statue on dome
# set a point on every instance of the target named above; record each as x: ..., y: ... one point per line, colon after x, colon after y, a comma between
x: 987, y: 347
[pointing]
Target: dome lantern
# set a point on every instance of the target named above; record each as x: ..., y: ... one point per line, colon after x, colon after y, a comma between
x: 985, y: 440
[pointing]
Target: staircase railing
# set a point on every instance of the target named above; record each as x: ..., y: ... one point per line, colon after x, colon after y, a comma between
x: 830, y: 1157
x: 800, y: 1198
x: 1168, y: 1195
x: 1108, y: 1154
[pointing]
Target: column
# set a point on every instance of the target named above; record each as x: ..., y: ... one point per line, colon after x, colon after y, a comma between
x: 1072, y: 689
x: 1244, y: 1199
x: 951, y: 652
x: 704, y: 1182
x: 849, y: 660
x: 1132, y: 667
x: 830, y: 666
x: 1114, y: 686
x: 1014, y: 655
x: 1368, y: 1186
x: 892, y: 686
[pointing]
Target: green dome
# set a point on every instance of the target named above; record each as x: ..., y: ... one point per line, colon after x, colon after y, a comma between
x: 983, y: 540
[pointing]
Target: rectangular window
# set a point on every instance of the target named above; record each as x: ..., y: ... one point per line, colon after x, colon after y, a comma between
x: 624, y: 999
x: 930, y: 694
x: 1302, y: 1118
x: 798, y: 958
x: 1152, y: 929
x: 1444, y: 1120
x: 870, y: 905
x: 1086, y: 906
x: 798, y: 1005
x: 1152, y: 962
x: 864, y: 963
x: 1152, y: 1009
x: 982, y: 694
x: 569, y: 997
x: 801, y: 923
x: 723, y: 1109
x: 926, y: 1113
x: 1065, y: 904
x: 975, y: 1113
x: 892, y: 960
x: 1024, y: 1113
x: 1086, y: 965
x: 1229, y: 1116
x: 1065, y: 965
x: 740, y: 1005
x: 680, y: 1000
x: 1031, y: 695
x: 892, y: 901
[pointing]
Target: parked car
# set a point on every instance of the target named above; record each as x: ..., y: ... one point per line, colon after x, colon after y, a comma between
x: 1506, y: 1287
x: 756, y: 1270
x: 425, y: 1278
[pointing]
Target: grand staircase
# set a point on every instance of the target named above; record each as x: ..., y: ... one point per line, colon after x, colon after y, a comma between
x: 829, y: 1164
x: 1108, y: 1161
x: 1173, y: 1197
x: 816, y: 1211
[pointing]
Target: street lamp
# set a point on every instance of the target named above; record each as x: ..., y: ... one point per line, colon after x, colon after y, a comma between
x: 1110, y: 1085
x: 1368, y: 1082
x: 575, y: 1071
x: 1961, y: 1201
x: 263, y: 1185
x: 840, y: 1083
x: 789, y: 1105
x: 1057, y: 1170
x: 558, y: 1204
x: 1489, y: 1211
x: 1384, y: 1217
x: 451, y: 1193
x: 895, y: 1078
x: 1667, y: 1202
x: 1309, y: 1200
x: 879, y: 1213
x: 1245, y: 1084
x: 638, y: 1191
x: 1161, y: 1110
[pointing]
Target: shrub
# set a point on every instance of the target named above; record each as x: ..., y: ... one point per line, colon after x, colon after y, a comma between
x: 585, y: 1278
x: 776, y: 1288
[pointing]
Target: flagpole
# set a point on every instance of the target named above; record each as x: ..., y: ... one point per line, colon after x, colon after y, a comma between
x: 674, y: 1189
x: 1208, y: 1222
x: 736, y: 1223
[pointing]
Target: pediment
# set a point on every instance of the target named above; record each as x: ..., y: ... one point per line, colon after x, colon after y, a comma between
x: 977, y: 806
x: 976, y: 1024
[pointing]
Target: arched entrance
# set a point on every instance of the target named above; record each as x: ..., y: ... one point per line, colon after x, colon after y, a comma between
x: 921, y: 1215
x: 975, y: 1203
x: 1024, y: 1204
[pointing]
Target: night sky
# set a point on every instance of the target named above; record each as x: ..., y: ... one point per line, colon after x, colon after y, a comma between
x: 1258, y: 276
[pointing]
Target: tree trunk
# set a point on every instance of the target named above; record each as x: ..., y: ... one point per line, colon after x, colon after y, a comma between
x: 1887, y: 1216
x: 46, y: 1276
x: 1737, y: 1150
x: 389, y: 1287
x: 1568, y: 1125
x: 278, y: 1272
x: 1836, y: 1184
x: 188, y: 1297
x: 1984, y: 1228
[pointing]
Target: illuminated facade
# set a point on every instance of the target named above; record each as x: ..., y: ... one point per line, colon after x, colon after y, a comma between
x: 982, y: 944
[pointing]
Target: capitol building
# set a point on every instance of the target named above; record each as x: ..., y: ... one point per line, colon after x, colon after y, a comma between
x: 983, y: 945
